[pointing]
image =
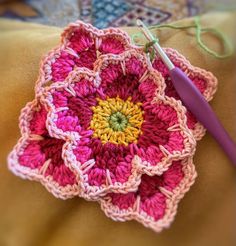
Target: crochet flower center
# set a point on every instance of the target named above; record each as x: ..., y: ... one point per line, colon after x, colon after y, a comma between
x: 117, y: 121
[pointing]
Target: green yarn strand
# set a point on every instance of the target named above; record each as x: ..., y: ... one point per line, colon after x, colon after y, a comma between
x: 228, y: 46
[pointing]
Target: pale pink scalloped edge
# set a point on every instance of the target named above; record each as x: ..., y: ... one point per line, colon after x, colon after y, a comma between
x: 35, y: 174
x: 49, y: 58
x: 173, y: 199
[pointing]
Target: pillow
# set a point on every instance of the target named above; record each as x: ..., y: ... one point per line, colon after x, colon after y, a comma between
x: 32, y: 216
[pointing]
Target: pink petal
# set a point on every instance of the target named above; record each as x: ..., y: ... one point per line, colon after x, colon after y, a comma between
x: 111, y: 44
x: 123, y: 201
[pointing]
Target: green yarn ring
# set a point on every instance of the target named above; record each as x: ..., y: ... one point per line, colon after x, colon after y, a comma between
x: 118, y: 121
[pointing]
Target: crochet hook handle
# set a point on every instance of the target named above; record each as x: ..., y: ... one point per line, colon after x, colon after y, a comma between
x: 198, y: 105
x: 194, y: 100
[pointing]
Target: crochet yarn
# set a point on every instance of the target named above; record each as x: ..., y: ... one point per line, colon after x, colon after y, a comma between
x: 107, y: 125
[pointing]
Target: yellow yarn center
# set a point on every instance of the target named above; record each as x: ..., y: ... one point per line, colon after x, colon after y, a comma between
x: 117, y: 121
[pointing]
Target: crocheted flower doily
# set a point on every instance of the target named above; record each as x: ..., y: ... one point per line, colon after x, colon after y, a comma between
x: 108, y: 126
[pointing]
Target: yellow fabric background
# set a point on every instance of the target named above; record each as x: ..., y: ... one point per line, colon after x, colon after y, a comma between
x: 29, y: 215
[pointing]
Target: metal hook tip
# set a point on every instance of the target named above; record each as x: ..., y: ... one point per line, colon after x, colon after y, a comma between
x: 140, y: 23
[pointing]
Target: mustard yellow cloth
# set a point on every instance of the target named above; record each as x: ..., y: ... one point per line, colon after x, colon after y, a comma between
x: 30, y: 216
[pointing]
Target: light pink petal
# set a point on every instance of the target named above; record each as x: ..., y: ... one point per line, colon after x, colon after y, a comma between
x: 62, y: 66
x: 164, y: 137
x: 123, y: 201
x: 104, y: 167
x: 129, y: 76
x: 155, y: 202
x: 112, y: 44
x: 70, y: 104
x: 32, y: 156
x: 41, y: 160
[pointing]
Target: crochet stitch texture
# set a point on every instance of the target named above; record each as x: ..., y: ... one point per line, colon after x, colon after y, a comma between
x: 107, y: 125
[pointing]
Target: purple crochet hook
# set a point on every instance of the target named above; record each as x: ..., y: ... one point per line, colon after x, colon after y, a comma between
x: 194, y: 100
